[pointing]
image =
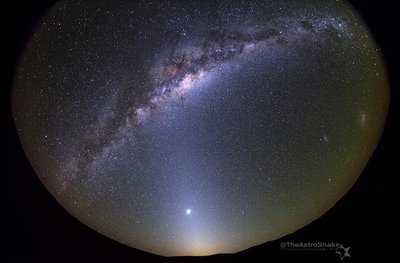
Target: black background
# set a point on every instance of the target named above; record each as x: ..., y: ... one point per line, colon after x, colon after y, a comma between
x: 40, y: 230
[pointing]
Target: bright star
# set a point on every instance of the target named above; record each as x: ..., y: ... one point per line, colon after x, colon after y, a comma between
x: 188, y: 211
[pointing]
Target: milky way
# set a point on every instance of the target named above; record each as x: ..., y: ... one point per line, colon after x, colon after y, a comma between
x: 176, y: 75
x: 207, y: 128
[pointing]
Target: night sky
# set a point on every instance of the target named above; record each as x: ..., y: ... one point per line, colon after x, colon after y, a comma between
x: 195, y: 128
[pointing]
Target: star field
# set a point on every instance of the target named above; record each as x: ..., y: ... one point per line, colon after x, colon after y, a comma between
x: 194, y: 128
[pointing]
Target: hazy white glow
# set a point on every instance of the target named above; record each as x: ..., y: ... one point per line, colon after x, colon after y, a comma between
x: 363, y: 119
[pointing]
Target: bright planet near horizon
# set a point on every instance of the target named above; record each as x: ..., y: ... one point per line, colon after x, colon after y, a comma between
x: 199, y: 127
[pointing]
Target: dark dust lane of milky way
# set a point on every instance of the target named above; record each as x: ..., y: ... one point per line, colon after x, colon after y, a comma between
x: 197, y: 127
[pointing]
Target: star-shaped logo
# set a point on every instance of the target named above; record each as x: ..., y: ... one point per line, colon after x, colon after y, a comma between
x: 343, y: 252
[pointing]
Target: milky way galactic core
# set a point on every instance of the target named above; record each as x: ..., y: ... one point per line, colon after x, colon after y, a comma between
x: 199, y: 127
